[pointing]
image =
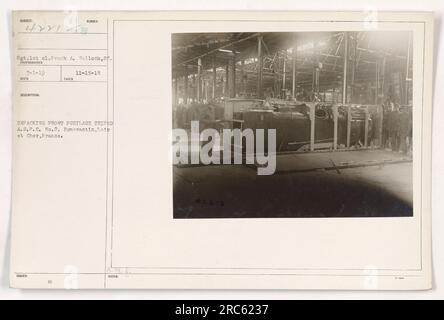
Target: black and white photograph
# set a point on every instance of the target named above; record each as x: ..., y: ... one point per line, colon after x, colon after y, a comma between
x: 292, y: 124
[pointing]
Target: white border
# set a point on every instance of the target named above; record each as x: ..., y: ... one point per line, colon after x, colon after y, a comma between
x: 5, y: 111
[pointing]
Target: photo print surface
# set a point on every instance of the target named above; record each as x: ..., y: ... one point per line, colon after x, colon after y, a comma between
x: 292, y: 124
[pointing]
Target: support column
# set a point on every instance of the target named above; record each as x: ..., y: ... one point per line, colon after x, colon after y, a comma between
x: 408, y: 80
x: 376, y: 82
x: 293, y: 83
x: 176, y: 86
x: 202, y: 88
x: 366, y: 128
x: 345, y: 66
x: 380, y: 124
x: 312, y: 126
x: 317, y: 72
x: 185, y: 86
x: 243, y: 88
x: 260, y: 59
x: 335, y: 127
x: 313, y: 78
x: 284, y: 75
x: 232, y: 74
x: 199, y: 80
x: 353, y: 71
x: 383, y: 72
x: 213, y: 92
x: 349, y: 118
x: 227, y: 74
x: 193, y: 95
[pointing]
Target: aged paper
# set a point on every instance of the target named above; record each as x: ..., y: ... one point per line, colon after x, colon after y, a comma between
x: 222, y: 150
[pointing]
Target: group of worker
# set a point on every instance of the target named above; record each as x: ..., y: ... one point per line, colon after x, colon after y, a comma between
x: 397, y: 127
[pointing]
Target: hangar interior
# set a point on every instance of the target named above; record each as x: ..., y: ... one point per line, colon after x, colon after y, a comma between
x: 341, y: 104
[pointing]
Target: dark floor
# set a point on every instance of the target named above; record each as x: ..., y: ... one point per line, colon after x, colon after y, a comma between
x: 368, y: 183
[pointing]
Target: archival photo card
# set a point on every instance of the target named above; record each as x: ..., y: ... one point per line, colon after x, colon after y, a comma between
x: 221, y: 150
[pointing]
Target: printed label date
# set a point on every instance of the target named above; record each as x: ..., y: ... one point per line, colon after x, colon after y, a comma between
x: 88, y: 73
